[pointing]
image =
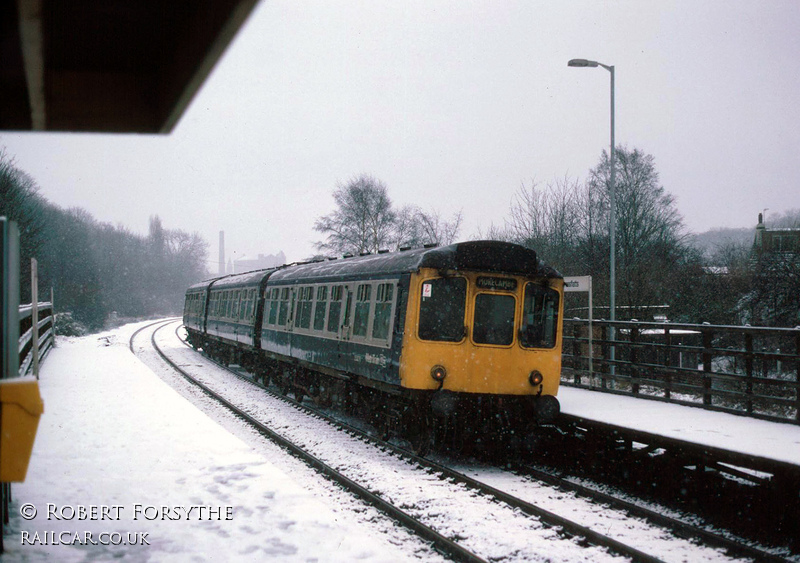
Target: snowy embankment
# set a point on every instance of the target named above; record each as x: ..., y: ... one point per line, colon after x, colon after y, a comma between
x: 114, y: 435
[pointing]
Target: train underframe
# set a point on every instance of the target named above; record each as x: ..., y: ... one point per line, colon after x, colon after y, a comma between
x: 472, y: 424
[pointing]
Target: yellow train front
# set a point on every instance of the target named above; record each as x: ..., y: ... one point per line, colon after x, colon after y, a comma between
x: 483, y: 339
x: 456, y: 342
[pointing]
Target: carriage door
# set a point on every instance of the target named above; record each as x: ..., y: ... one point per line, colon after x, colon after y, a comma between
x: 347, y: 315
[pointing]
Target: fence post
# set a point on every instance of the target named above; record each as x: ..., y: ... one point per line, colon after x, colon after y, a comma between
x: 576, y: 354
x: 633, y: 357
x: 797, y: 376
x: 53, y: 316
x: 604, y: 370
x: 667, y: 362
x: 748, y: 371
x: 708, y: 337
x: 35, y: 315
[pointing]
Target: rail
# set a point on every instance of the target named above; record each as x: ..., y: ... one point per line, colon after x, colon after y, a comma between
x: 44, y: 336
x: 753, y: 371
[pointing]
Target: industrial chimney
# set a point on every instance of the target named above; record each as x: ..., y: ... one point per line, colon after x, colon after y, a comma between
x: 222, y: 253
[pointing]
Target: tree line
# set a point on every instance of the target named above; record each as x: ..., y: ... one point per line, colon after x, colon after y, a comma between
x: 660, y: 272
x: 97, y: 270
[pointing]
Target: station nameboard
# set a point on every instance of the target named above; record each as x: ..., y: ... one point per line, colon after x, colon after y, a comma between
x: 577, y: 283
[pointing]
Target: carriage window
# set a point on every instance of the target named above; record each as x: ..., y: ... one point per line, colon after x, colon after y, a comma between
x: 228, y: 303
x: 441, y: 310
x: 319, y: 309
x: 383, y: 311
x: 283, y: 311
x: 271, y: 306
x: 539, y: 317
x: 304, y: 304
x: 494, y: 319
x: 335, y: 309
x: 361, y: 315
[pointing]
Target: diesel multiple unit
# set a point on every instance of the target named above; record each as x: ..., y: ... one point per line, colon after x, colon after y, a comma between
x: 463, y: 336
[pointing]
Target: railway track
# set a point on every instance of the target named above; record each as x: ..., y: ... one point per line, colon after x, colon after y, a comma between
x: 453, y: 544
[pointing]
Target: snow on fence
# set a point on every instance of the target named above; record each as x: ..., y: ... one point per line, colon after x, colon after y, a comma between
x: 44, y: 336
x: 744, y: 370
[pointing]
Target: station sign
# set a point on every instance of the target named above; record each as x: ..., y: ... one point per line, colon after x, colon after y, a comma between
x: 577, y: 283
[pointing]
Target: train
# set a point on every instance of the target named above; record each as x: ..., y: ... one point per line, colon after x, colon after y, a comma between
x: 455, y: 342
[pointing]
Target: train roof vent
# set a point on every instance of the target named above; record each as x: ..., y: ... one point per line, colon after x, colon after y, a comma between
x: 404, y: 248
x: 364, y: 253
x: 430, y: 245
x: 348, y: 255
x: 383, y: 251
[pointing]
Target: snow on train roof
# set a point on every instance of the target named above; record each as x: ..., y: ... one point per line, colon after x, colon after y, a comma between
x: 486, y: 255
x: 490, y: 256
x: 233, y: 280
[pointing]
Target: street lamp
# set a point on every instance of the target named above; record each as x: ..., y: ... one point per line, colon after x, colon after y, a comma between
x: 583, y: 63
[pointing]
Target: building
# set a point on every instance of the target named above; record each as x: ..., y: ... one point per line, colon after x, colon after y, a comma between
x: 783, y: 240
x: 245, y: 264
x: 775, y: 298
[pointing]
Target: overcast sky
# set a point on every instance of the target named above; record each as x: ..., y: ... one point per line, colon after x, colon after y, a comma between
x: 453, y: 105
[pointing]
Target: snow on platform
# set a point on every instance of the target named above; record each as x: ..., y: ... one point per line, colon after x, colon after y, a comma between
x: 771, y: 440
x: 114, y: 435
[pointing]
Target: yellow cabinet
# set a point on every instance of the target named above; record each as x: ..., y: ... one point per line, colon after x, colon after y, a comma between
x: 20, y: 409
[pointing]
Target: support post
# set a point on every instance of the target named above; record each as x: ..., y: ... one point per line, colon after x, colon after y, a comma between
x: 35, y: 316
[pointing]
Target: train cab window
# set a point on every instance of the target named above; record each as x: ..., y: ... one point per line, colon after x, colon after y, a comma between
x: 361, y: 313
x: 539, y: 317
x: 441, y: 311
x: 304, y: 304
x: 383, y: 311
x: 494, y: 319
x: 319, y: 307
x: 335, y: 308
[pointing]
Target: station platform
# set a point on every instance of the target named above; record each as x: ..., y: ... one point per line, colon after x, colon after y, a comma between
x: 775, y: 441
x: 120, y: 457
x: 119, y: 452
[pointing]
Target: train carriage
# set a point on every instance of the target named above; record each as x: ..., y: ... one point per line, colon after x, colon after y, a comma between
x: 456, y: 333
x: 194, y: 311
x: 234, y: 306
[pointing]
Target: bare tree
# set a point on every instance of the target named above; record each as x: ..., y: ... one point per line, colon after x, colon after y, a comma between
x: 363, y: 220
x: 414, y: 227
x: 548, y: 220
x: 649, y: 239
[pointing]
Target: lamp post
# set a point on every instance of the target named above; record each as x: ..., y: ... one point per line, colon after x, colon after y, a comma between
x: 612, y: 301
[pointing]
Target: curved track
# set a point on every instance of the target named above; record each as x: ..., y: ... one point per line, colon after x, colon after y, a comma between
x: 566, y: 527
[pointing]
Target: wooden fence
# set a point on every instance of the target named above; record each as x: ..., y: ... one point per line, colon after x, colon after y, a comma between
x: 43, y: 337
x: 744, y: 370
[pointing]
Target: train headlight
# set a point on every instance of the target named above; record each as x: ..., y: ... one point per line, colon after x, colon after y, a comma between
x: 438, y: 373
x: 535, y: 378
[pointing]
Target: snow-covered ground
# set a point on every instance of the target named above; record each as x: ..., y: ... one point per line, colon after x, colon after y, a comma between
x: 772, y: 440
x: 114, y: 435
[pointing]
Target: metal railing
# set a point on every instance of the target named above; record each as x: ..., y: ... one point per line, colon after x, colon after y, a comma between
x: 744, y: 370
x: 44, y: 337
